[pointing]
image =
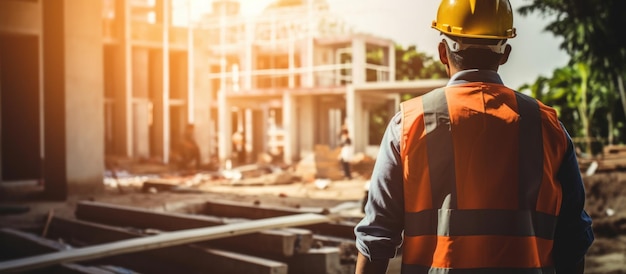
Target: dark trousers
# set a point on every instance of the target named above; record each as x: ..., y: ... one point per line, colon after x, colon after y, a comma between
x: 190, y: 155
x: 346, y: 169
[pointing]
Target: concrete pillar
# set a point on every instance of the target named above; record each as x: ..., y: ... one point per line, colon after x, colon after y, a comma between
x: 308, y: 57
x: 306, y: 124
x: 335, y: 122
x: 161, y: 88
x: 224, y: 126
x: 258, y: 139
x: 142, y: 106
x: 291, y: 52
x: 289, y: 126
x: 354, y: 118
x: 123, y: 108
x: 248, y: 58
x: 191, y: 72
x: 359, y: 59
x: 249, y: 134
x: 202, y: 104
x: 74, y: 98
x: 262, y: 135
x: 391, y: 62
x: 322, y: 115
x: 165, y: 9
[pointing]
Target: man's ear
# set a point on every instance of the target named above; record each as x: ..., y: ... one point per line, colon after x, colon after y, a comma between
x: 505, y: 55
x: 443, y: 53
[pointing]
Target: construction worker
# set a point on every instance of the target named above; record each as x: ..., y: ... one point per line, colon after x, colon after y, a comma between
x: 475, y: 177
x: 189, y: 149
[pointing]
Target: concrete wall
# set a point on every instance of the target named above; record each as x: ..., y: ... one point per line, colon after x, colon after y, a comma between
x: 20, y: 90
x: 20, y: 107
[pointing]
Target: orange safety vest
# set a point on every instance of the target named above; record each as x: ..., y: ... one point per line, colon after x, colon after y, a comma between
x: 480, y: 188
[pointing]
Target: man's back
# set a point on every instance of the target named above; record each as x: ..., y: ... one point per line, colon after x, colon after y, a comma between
x: 474, y: 177
x: 479, y: 148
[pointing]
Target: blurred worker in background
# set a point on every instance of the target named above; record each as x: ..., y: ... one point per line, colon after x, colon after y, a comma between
x: 238, y: 147
x: 189, y: 150
x: 475, y: 177
x: 346, y: 153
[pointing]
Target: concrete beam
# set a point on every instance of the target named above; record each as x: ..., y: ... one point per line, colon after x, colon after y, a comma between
x: 123, y: 68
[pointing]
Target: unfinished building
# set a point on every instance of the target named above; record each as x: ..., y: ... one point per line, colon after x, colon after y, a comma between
x: 82, y: 80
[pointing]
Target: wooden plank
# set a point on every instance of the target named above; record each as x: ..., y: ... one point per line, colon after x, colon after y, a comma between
x: 240, y: 210
x: 35, y: 245
x: 159, y: 241
x: 25, y: 244
x: 347, y: 248
x: 317, y: 260
x: 76, y: 268
x: 304, y: 239
x: 323, y: 240
x: 280, y: 242
x: 342, y: 229
x: 193, y: 258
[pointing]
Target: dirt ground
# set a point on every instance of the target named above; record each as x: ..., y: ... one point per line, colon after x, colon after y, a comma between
x: 606, y: 193
x: 606, y: 204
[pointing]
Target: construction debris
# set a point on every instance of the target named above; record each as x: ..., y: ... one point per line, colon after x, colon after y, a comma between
x: 613, y: 158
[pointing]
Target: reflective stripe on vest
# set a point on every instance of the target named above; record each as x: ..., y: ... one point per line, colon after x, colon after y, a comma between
x: 415, y: 269
x: 456, y: 221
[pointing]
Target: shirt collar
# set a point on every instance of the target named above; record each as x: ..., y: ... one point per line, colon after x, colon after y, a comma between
x: 475, y: 75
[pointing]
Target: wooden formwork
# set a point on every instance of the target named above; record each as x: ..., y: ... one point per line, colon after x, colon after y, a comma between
x: 103, y: 234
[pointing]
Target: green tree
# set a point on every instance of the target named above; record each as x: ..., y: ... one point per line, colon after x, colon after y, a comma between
x: 579, y: 101
x: 411, y: 64
x: 592, y: 33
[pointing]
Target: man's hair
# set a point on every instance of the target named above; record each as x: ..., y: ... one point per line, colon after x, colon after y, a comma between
x: 475, y: 58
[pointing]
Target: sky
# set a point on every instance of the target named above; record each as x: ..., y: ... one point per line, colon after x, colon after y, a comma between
x: 407, y: 22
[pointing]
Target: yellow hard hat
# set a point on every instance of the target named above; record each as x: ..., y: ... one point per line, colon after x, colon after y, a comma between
x: 485, y: 19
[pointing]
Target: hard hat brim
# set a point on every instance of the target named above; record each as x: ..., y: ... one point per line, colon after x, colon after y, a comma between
x: 511, y: 34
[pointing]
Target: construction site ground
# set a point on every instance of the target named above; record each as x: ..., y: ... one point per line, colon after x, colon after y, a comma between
x: 606, y: 193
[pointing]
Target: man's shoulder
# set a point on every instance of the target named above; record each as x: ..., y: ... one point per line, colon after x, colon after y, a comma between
x: 414, y: 103
x: 419, y: 97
